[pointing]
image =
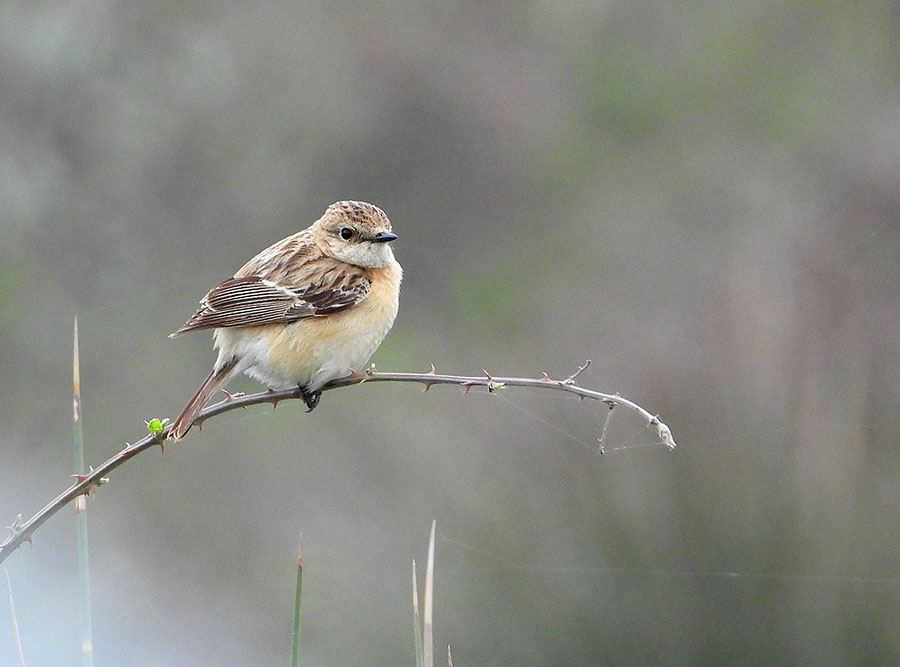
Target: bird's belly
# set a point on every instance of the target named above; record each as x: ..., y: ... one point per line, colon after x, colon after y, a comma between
x: 309, y: 352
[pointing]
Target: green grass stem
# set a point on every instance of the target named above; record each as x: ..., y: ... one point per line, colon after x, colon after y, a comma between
x: 295, y: 644
x: 15, y: 623
x: 84, y: 578
x: 417, y: 619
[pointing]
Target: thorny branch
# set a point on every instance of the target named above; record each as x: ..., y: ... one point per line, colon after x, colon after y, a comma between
x: 21, y: 531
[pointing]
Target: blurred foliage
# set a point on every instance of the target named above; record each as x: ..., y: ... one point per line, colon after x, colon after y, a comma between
x: 488, y: 301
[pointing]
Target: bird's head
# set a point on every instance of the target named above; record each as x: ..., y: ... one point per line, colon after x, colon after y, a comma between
x: 357, y: 233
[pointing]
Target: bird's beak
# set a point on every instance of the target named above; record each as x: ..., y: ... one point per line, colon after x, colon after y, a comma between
x: 383, y: 237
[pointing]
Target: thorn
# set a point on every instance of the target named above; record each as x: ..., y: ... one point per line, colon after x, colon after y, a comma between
x: 546, y: 377
x: 431, y: 372
x: 233, y: 396
x: 369, y: 372
x: 427, y: 384
x: 91, y: 490
x: 16, y: 525
x: 492, y: 385
x: 465, y: 386
x: 162, y: 445
x: 276, y: 401
x: 354, y: 375
x: 362, y: 377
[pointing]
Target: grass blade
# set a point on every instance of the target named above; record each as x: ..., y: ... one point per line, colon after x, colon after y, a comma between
x: 84, y: 579
x: 417, y: 619
x: 295, y: 645
x: 427, y: 634
x: 12, y: 613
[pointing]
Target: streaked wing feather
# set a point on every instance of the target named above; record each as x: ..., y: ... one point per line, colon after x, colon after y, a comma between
x: 253, y: 300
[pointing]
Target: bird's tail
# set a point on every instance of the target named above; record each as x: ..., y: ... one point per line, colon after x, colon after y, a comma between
x: 187, y: 417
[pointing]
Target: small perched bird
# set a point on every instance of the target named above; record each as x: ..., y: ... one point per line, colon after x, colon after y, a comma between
x: 309, y: 309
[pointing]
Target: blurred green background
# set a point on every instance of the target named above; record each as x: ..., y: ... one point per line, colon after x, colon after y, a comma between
x: 703, y: 198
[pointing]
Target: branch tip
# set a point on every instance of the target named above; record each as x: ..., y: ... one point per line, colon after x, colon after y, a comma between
x: 665, y: 434
x: 571, y: 378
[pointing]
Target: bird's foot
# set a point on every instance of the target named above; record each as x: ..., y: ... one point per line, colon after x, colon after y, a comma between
x: 311, y: 398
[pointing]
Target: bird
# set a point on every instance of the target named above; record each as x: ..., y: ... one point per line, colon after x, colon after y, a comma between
x: 308, y: 309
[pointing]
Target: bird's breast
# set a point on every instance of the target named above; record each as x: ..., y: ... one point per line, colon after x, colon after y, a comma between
x: 314, y: 350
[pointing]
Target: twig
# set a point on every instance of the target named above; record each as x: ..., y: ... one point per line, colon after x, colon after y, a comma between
x: 20, y: 531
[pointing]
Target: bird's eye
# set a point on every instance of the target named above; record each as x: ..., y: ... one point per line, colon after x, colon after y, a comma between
x: 346, y: 233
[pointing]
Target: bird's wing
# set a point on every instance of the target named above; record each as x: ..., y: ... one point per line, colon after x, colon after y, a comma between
x: 311, y: 286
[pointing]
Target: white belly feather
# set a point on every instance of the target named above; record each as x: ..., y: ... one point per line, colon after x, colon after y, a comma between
x: 313, y: 351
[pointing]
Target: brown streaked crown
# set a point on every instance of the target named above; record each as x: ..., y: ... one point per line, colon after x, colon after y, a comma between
x: 363, y: 213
